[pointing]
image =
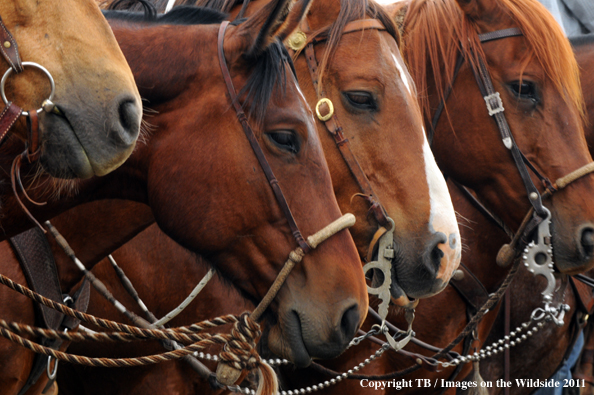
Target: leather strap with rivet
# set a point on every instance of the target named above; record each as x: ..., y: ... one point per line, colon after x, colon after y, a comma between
x: 9, y: 48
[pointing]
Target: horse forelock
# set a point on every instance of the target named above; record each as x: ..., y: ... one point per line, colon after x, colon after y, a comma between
x: 550, y: 47
x: 435, y: 32
x: 352, y: 10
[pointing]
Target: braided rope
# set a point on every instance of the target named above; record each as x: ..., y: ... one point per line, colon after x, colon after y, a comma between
x: 19, y: 328
x: 115, y: 362
x: 164, y: 334
x: 240, y: 352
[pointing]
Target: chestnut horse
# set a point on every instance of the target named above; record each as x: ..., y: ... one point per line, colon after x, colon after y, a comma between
x: 323, y: 301
x: 383, y: 109
x: 96, y: 119
x: 544, y: 352
x: 546, y: 161
x: 548, y: 99
x: 371, y: 92
x: 548, y: 94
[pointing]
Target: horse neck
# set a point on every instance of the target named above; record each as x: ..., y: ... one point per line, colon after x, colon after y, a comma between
x: 95, y: 230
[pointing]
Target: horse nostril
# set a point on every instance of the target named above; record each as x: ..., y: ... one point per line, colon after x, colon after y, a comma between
x: 587, y: 241
x: 129, y: 117
x: 349, y: 324
x: 433, y: 259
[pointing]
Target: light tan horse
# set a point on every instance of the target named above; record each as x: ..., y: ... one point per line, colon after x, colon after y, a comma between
x: 96, y: 121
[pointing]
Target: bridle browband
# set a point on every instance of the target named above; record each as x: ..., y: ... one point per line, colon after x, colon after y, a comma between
x: 11, y: 112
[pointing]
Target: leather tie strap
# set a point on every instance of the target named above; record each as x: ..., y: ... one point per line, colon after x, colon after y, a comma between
x: 278, y: 193
x: 9, y: 49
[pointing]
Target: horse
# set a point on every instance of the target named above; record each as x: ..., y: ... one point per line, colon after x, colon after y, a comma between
x: 343, y: 63
x: 541, y: 362
x: 322, y: 302
x: 432, y: 33
x: 92, y: 111
x: 558, y: 75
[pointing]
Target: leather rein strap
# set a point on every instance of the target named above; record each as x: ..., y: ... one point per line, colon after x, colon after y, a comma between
x: 10, y: 114
x: 330, y: 119
x: 249, y: 133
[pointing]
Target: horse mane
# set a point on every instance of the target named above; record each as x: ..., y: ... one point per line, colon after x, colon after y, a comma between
x: 435, y: 31
x: 584, y: 39
x: 268, y: 67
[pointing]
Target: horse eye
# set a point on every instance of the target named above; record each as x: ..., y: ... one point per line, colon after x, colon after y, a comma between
x: 285, y: 140
x: 524, y: 90
x: 361, y: 100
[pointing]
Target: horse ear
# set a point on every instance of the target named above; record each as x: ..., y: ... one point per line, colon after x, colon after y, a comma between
x: 276, y: 21
x: 477, y: 9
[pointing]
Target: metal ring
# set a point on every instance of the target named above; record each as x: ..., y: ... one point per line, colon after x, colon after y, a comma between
x: 330, y: 107
x: 32, y: 64
x: 51, y: 375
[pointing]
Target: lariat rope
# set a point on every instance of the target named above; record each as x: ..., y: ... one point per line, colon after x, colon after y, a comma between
x: 238, y: 353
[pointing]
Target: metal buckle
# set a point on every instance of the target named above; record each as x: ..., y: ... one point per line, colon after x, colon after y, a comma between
x: 494, y: 99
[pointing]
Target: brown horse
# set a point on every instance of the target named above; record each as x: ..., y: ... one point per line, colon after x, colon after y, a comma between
x: 344, y: 65
x: 98, y: 112
x: 490, y: 147
x: 491, y: 242
x: 464, y: 134
x: 323, y: 301
x: 540, y: 362
x: 371, y: 94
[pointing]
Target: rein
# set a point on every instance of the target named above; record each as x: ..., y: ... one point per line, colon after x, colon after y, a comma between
x: 12, y: 112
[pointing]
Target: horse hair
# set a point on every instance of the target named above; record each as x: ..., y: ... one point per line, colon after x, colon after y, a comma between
x: 268, y: 68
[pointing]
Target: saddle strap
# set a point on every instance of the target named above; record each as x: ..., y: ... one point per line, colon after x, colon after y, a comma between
x: 39, y: 267
x: 37, y: 262
x: 9, y: 49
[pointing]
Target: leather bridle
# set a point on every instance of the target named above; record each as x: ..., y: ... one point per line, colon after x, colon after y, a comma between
x: 305, y: 39
x: 11, y: 113
x: 227, y: 374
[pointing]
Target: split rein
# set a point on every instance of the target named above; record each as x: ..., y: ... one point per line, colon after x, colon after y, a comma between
x: 11, y: 113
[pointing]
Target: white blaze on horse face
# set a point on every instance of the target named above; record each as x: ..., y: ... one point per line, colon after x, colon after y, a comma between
x: 442, y: 217
x: 403, y: 74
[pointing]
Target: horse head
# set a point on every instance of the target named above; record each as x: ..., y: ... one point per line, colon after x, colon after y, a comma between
x: 536, y: 87
x: 96, y: 119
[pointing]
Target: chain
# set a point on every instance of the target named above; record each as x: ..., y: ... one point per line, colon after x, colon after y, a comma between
x: 317, y: 387
x: 538, y: 318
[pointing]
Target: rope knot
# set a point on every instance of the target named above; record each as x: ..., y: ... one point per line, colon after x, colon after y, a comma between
x: 239, y: 354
